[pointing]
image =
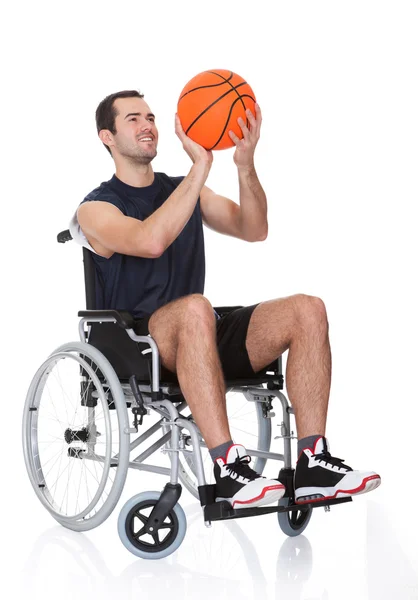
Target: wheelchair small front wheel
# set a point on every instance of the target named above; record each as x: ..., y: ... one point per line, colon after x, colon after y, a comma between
x: 293, y: 522
x: 131, y: 527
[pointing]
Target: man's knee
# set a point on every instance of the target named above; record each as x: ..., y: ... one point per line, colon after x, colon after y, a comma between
x: 311, y: 310
x: 175, y: 316
x: 179, y: 320
x: 197, y: 311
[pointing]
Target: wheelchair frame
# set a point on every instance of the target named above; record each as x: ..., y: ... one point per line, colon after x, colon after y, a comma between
x: 152, y: 393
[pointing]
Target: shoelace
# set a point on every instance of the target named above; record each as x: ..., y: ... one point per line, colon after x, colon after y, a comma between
x: 240, y: 467
x: 332, y: 460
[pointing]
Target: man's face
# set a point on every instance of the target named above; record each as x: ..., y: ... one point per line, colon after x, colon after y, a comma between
x: 136, y: 135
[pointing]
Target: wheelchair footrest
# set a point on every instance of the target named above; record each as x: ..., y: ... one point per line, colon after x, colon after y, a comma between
x: 220, y: 511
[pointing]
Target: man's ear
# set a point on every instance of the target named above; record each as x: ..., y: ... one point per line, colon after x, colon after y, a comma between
x: 106, y: 136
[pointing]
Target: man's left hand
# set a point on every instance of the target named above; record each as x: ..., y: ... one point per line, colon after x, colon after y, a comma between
x: 244, y: 153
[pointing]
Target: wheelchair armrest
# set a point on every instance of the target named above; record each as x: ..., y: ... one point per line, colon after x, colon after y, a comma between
x: 224, y: 310
x: 64, y: 236
x: 123, y: 318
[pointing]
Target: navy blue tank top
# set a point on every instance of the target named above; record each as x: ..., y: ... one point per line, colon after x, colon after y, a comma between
x: 142, y: 285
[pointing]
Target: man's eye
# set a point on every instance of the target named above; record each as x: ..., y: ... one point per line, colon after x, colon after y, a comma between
x: 133, y: 119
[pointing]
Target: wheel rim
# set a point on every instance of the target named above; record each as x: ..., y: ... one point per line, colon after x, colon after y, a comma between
x: 50, y: 464
x: 136, y: 521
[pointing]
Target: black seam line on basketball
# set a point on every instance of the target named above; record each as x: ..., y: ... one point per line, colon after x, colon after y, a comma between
x: 209, y: 107
x: 202, y: 87
x: 229, y: 116
x: 239, y: 95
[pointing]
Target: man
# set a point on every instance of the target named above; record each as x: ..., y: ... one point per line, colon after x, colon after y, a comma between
x: 146, y: 235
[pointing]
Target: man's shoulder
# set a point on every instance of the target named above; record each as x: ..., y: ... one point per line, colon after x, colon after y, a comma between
x: 103, y: 192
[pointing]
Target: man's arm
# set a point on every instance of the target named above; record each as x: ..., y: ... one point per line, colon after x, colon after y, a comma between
x: 225, y: 216
x: 253, y: 203
x: 109, y: 231
x: 248, y: 221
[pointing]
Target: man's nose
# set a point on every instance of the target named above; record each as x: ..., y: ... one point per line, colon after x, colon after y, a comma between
x: 145, y: 125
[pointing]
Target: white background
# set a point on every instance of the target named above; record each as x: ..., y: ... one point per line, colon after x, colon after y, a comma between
x: 337, y: 85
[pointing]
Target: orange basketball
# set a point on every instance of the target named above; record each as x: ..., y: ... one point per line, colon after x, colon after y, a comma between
x: 210, y: 104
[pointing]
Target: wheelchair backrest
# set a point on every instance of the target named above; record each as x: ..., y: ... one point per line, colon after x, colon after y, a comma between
x: 89, y: 271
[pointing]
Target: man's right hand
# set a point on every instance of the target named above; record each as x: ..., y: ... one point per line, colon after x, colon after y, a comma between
x: 197, y: 153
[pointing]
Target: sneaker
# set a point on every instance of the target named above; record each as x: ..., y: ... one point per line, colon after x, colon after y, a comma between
x: 320, y: 476
x: 240, y: 485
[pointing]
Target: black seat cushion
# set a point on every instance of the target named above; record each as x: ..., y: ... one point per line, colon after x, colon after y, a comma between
x: 126, y: 358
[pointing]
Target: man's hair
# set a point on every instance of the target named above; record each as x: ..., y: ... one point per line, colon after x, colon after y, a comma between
x: 106, y: 111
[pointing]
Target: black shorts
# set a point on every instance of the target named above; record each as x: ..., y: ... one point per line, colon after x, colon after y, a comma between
x: 231, y: 333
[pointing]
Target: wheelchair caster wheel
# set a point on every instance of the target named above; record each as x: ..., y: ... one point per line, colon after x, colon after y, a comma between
x: 131, y: 527
x: 293, y: 522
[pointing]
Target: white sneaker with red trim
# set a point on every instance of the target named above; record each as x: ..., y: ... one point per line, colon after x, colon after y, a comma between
x: 320, y: 476
x: 240, y: 485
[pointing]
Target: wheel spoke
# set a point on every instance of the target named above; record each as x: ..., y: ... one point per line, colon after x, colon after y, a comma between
x: 156, y: 538
x: 243, y: 431
x: 139, y: 533
x: 141, y: 517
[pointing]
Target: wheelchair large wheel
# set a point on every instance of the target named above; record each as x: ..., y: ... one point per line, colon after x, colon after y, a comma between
x: 248, y: 426
x: 76, y: 450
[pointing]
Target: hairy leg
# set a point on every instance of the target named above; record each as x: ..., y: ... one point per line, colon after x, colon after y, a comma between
x: 298, y: 324
x: 185, y: 333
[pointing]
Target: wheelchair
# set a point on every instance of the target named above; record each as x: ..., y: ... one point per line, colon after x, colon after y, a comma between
x: 89, y: 397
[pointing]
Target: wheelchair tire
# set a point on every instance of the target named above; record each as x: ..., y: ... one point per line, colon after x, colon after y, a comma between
x: 159, y: 548
x: 261, y: 441
x: 76, y: 436
x: 293, y: 523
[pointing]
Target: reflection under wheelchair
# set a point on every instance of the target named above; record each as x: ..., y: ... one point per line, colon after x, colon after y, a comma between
x: 86, y: 411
